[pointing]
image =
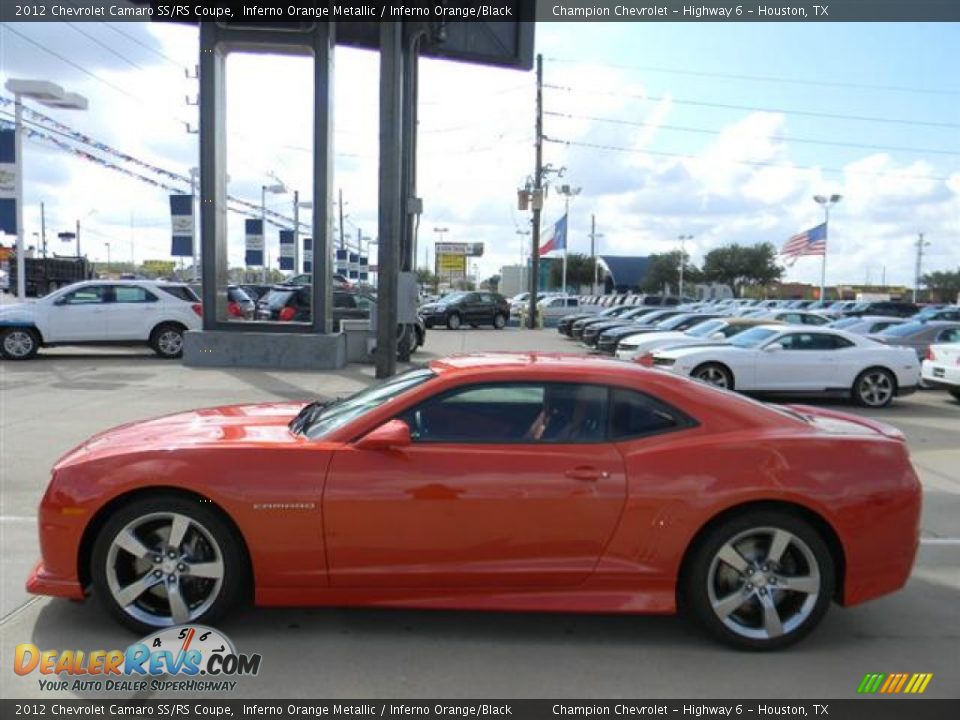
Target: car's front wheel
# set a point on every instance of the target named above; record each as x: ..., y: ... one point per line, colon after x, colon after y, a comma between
x: 453, y: 321
x: 760, y: 581
x: 18, y: 343
x: 955, y: 393
x: 167, y: 341
x: 499, y: 321
x: 874, y: 388
x: 166, y: 560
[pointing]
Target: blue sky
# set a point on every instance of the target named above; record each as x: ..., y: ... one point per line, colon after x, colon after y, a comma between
x: 477, y: 131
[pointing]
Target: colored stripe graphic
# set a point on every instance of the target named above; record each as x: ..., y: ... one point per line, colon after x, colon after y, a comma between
x: 894, y: 683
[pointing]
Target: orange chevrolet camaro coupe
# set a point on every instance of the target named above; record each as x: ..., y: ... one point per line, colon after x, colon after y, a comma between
x: 491, y: 482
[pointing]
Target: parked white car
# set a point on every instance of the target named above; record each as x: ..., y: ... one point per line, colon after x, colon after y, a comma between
x: 124, y: 312
x: 552, y: 307
x: 866, y: 324
x: 793, y: 317
x: 800, y: 360
x: 711, y: 332
x: 941, y: 368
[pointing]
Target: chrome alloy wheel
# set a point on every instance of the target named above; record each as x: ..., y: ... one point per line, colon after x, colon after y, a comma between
x: 763, y: 583
x: 715, y: 376
x: 170, y: 342
x: 18, y: 343
x: 875, y: 388
x: 164, y: 569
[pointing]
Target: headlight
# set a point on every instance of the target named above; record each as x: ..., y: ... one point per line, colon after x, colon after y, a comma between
x: 664, y: 362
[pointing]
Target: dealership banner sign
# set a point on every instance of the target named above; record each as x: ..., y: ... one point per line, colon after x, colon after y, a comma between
x: 9, y: 167
x: 181, y: 220
x: 308, y: 255
x: 254, y: 243
x: 287, y: 249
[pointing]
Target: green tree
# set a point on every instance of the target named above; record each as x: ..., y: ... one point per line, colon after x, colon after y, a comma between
x: 664, y: 271
x: 579, y: 271
x: 740, y: 266
x: 426, y: 278
x: 491, y: 283
x: 945, y: 285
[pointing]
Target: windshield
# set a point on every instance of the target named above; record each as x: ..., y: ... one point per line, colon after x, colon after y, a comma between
x: 844, y: 323
x: 753, y: 337
x: 452, y: 297
x: 276, y: 299
x: 904, y: 329
x: 675, y: 321
x: 337, y: 414
x: 860, y: 306
x: 707, y: 329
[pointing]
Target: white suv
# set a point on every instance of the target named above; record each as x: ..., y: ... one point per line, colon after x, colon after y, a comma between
x: 123, y: 312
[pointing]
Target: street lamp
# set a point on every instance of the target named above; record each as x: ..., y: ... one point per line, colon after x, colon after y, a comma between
x: 108, y: 257
x: 441, y: 231
x: 683, y: 256
x: 49, y: 95
x: 276, y: 189
x: 827, y: 203
x: 297, y: 205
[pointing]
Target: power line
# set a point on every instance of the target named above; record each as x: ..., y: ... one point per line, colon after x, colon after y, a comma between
x: 769, y: 78
x: 752, y: 163
x: 144, y: 45
x: 103, y: 45
x: 782, y: 138
x: 753, y: 108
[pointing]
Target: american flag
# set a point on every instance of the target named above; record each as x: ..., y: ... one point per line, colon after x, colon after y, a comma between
x: 810, y: 242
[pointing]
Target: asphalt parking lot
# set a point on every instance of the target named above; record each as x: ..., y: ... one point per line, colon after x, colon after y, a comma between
x: 49, y: 405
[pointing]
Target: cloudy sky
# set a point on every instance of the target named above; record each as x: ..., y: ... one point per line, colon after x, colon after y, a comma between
x: 720, y: 131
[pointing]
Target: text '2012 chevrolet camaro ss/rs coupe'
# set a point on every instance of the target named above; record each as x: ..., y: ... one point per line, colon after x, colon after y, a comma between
x: 491, y: 482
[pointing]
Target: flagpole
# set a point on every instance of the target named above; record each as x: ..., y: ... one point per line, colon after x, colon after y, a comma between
x: 566, y: 238
x: 826, y: 202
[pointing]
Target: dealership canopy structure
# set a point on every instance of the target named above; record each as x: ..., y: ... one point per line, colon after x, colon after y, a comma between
x: 501, y: 44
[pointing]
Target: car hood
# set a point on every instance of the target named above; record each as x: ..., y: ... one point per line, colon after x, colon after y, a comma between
x: 679, y: 352
x: 231, y: 425
x: 655, y: 336
x: 15, y: 311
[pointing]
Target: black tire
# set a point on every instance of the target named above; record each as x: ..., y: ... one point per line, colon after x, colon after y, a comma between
x: 714, y: 374
x: 874, y: 388
x: 420, y: 339
x: 474, y: 325
x: 167, y: 340
x: 955, y: 393
x: 499, y: 321
x: 19, y: 343
x: 206, y: 601
x: 709, y: 582
x: 454, y: 321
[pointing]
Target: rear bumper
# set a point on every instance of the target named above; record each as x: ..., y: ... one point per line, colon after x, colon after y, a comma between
x: 906, y: 390
x: 42, y: 582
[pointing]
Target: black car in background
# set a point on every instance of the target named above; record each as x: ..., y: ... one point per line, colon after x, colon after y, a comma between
x: 646, y: 316
x: 472, y: 308
x: 609, y: 339
x: 565, y: 323
x: 239, y: 303
x: 884, y: 307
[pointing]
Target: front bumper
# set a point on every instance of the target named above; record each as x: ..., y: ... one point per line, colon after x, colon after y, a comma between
x: 43, y: 582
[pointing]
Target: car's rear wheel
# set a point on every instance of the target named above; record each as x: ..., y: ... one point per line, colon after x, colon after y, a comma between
x: 955, y: 393
x: 166, y: 560
x: 167, y: 341
x: 714, y: 374
x: 19, y: 343
x: 760, y: 581
x: 499, y: 321
x: 874, y: 388
x: 454, y: 322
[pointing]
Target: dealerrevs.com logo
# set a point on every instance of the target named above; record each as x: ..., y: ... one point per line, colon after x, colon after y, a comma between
x: 199, y: 658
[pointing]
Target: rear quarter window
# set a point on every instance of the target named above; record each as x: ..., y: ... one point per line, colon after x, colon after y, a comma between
x: 181, y: 292
x: 636, y: 415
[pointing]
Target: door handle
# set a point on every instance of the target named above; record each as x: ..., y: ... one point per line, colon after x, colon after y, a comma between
x: 587, y: 474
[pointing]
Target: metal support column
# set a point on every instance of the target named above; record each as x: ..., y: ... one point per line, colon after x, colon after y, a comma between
x: 323, y: 103
x: 390, y: 188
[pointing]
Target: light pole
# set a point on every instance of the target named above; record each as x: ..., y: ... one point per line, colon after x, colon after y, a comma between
x: 276, y: 189
x: 921, y: 244
x: 49, y: 95
x: 683, y: 257
x: 108, y: 257
x: 827, y: 203
x: 306, y: 205
x: 568, y: 192
x: 194, y: 240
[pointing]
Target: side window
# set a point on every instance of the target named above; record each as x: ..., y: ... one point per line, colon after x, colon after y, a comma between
x: 572, y: 302
x: 487, y: 298
x: 91, y: 295
x: 814, y: 320
x: 132, y: 294
x: 791, y: 342
x: 513, y: 413
x: 833, y: 342
x: 363, y: 302
x: 950, y: 335
x: 635, y: 415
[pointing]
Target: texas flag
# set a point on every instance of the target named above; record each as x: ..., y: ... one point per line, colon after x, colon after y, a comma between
x: 558, y: 237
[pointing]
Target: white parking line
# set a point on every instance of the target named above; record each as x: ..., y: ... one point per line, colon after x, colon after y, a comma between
x: 939, y: 541
x: 16, y: 519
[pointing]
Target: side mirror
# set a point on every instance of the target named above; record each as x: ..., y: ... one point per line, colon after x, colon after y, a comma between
x: 392, y: 434
x: 60, y: 301
x: 773, y: 347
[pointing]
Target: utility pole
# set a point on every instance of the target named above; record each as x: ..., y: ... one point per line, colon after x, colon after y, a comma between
x: 340, y: 193
x: 537, y: 201
x: 43, y: 230
x: 683, y: 259
x: 78, y: 237
x: 921, y: 244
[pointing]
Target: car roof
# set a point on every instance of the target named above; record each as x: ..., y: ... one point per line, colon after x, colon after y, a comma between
x: 543, y: 362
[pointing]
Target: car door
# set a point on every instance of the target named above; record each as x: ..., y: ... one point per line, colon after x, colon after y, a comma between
x: 493, y: 491
x: 79, y: 316
x: 132, y: 313
x: 804, y: 361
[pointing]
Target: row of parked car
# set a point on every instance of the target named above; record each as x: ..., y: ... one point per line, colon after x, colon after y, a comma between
x: 157, y: 313
x: 779, y: 347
